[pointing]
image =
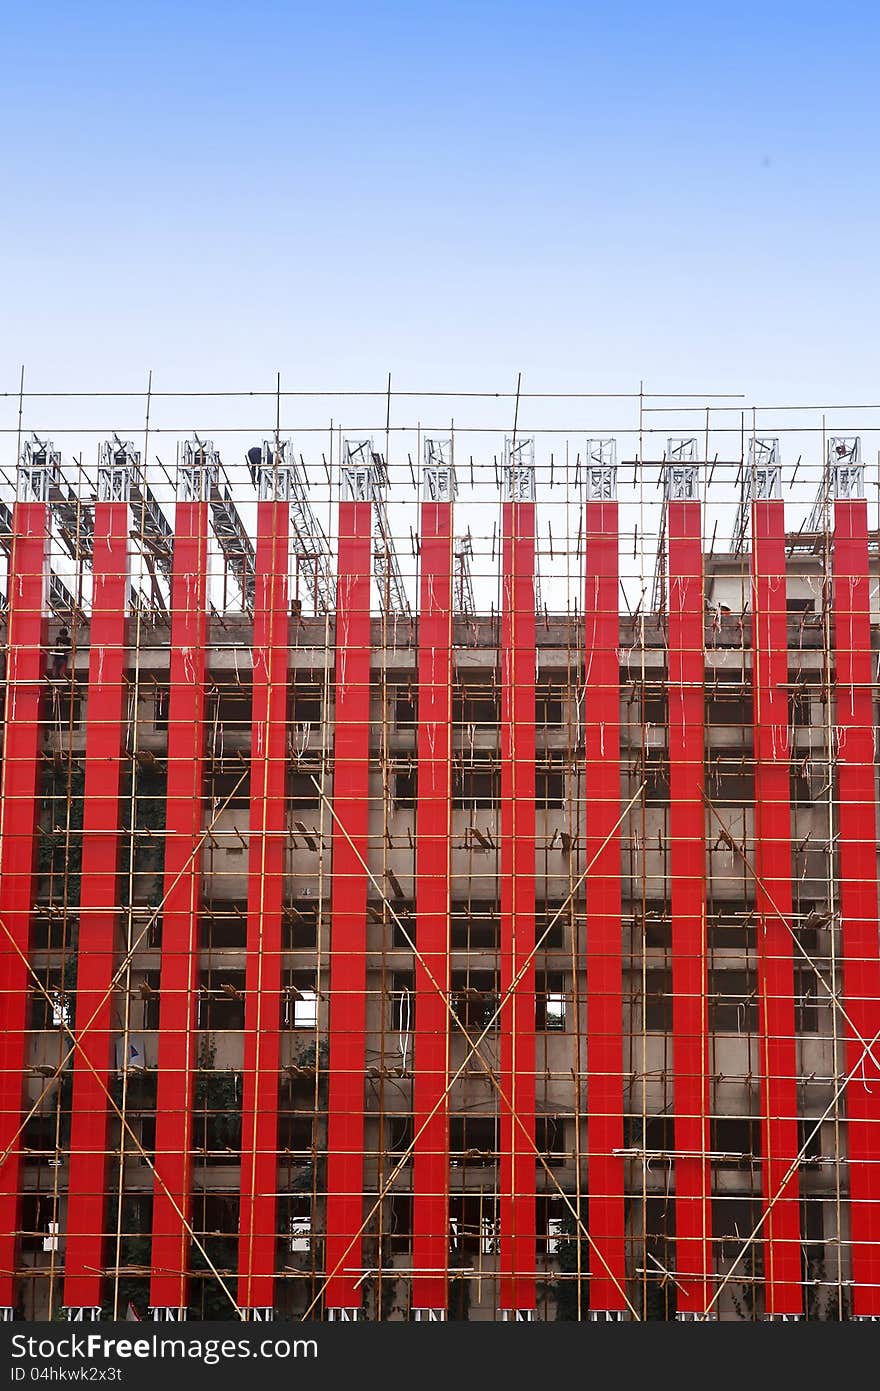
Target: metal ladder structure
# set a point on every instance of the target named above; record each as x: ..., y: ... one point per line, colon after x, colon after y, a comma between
x: 367, y: 476
x: 310, y: 545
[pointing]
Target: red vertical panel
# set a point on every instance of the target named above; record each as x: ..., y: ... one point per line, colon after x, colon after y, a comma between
x: 604, y: 987
x: 258, y: 1223
x: 693, y: 1179
x: 854, y: 715
x: 773, y: 901
x: 431, y: 1160
x: 517, y: 1018
x: 345, y: 1124
x: 22, y: 737
x: 99, y: 899
x: 180, y: 915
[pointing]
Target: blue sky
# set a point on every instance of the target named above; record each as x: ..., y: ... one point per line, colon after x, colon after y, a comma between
x: 591, y: 194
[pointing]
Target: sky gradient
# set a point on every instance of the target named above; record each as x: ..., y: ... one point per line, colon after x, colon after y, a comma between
x: 590, y: 194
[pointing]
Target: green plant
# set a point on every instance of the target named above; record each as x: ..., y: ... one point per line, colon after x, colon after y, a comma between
x: 134, y: 1252
x: 748, y: 1304
x: 208, y: 1299
x: 659, y: 1300
x: 311, y: 1057
x: 143, y: 853
x: 459, y: 1290
x: 135, y: 1245
x: 572, y: 1292
x: 825, y: 1303
x: 59, y: 850
x: 217, y: 1101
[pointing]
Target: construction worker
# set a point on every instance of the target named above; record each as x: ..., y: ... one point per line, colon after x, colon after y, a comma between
x: 61, y: 654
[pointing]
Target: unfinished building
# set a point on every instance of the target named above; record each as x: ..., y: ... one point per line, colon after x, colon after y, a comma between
x: 472, y: 916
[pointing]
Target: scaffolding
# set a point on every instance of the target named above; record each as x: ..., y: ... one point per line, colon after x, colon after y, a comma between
x: 439, y: 881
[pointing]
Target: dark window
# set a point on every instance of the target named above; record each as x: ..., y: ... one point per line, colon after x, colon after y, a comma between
x: 549, y: 705
x: 302, y: 792
x: 40, y: 1229
x: 224, y: 926
x: 656, y: 776
x: 658, y: 1000
x: 806, y: 1001
x: 230, y: 706
x: 659, y: 1134
x: 654, y: 705
x: 399, y: 1230
x: 295, y: 1132
x: 810, y: 1138
x: 550, y: 1139
x: 301, y: 927
x: 654, y: 925
x: 215, y: 1212
x: 797, y: 606
x: 808, y: 938
x: 40, y: 1135
x: 308, y: 703
x: 549, y: 787
x: 550, y: 1002
x: 473, y: 1140
x: 473, y: 1227
x: 475, y: 928
x: 729, y: 707
x: 406, y: 789
x: 217, y: 1117
x: 398, y: 919
x: 476, y: 704
x: 399, y: 1132
x: 555, y: 1223
x: 661, y: 1292
x: 50, y: 931
x: 475, y: 786
x: 731, y: 931
x: 221, y: 1000
x: 52, y: 1007
x: 474, y: 998
x: 813, y: 1227
x: 161, y: 699
x: 729, y: 780
x: 406, y: 708
x: 733, y: 1004
x: 738, y: 1137
x: 148, y: 1136
x: 137, y: 1214
x: 734, y: 1218
x: 229, y: 790
x: 552, y: 919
